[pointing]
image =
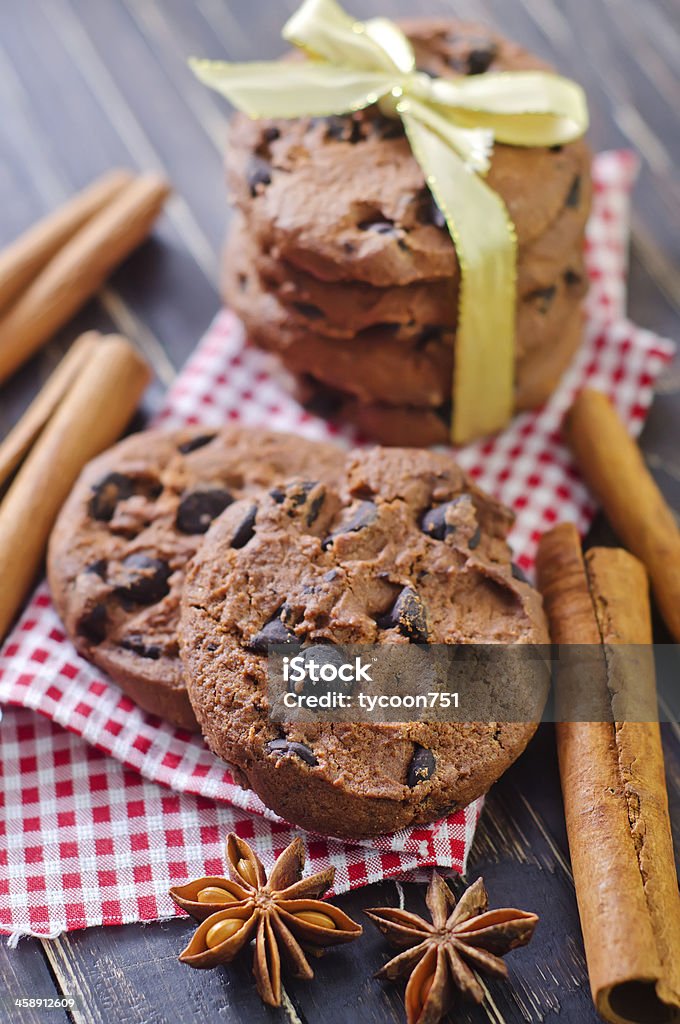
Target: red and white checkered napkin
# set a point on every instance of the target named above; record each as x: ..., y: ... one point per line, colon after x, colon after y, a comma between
x: 88, y: 836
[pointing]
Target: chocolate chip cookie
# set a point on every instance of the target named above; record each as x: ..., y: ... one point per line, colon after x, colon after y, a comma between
x: 343, y: 198
x: 342, y: 309
x: 404, y: 549
x: 538, y: 373
x: 389, y: 363
x: 135, y: 517
x: 340, y: 262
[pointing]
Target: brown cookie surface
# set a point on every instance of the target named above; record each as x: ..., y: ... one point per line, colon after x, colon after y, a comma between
x: 404, y: 532
x: 137, y: 514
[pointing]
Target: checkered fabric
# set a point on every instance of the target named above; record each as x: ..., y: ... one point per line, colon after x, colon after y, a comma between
x: 104, y: 806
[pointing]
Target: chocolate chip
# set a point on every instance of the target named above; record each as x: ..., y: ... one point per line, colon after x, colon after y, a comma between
x: 518, y: 573
x: 211, y: 647
x: 315, y: 506
x: 422, y: 766
x: 271, y: 134
x: 116, y: 487
x: 478, y: 53
x: 434, y: 522
x: 475, y: 539
x: 481, y: 58
x: 408, y: 615
x: 278, y: 495
x: 137, y: 645
x: 556, y: 149
x: 259, y: 173
x: 298, y: 495
x: 331, y: 575
x: 365, y: 514
x: 289, y: 748
x: 572, y: 278
x: 543, y: 297
x: 309, y: 310
x: 92, y: 625
x: 196, y: 442
x: 574, y: 195
x: 197, y: 510
x: 443, y: 413
x: 428, y: 335
x: 343, y: 129
x: 273, y: 632
x: 387, y: 127
x: 107, y: 493
x: 143, y: 580
x: 300, y: 492
x: 246, y: 529
x: 98, y: 568
x: 380, y: 227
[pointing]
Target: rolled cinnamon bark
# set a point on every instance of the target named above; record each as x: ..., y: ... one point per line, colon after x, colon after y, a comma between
x: 615, y: 800
x: 22, y: 436
x: 615, y: 471
x: 91, y: 417
x: 79, y: 269
x: 22, y: 259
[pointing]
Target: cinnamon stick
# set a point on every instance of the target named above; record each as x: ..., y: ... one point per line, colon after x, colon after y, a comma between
x: 615, y: 471
x: 615, y: 800
x: 22, y: 259
x: 91, y: 417
x: 79, y: 269
x: 21, y: 437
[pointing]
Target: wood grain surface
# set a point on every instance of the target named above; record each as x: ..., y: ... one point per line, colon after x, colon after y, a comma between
x: 91, y: 84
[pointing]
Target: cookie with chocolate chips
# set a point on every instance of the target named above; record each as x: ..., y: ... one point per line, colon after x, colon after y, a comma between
x: 538, y: 372
x: 340, y: 262
x: 135, y: 517
x: 343, y: 198
x: 405, y: 549
x: 343, y: 309
x: 390, y: 363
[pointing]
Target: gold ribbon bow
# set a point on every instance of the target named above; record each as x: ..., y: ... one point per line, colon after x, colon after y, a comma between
x: 451, y: 126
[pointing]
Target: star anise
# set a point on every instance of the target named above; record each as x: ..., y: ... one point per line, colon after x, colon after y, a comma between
x: 283, y: 915
x: 441, y: 957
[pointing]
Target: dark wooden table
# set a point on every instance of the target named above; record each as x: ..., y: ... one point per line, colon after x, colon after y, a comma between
x: 88, y: 84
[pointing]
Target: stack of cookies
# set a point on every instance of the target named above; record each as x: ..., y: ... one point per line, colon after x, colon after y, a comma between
x: 340, y: 262
x: 182, y: 556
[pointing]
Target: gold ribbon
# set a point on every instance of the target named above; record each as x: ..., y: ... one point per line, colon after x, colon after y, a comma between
x: 451, y: 126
